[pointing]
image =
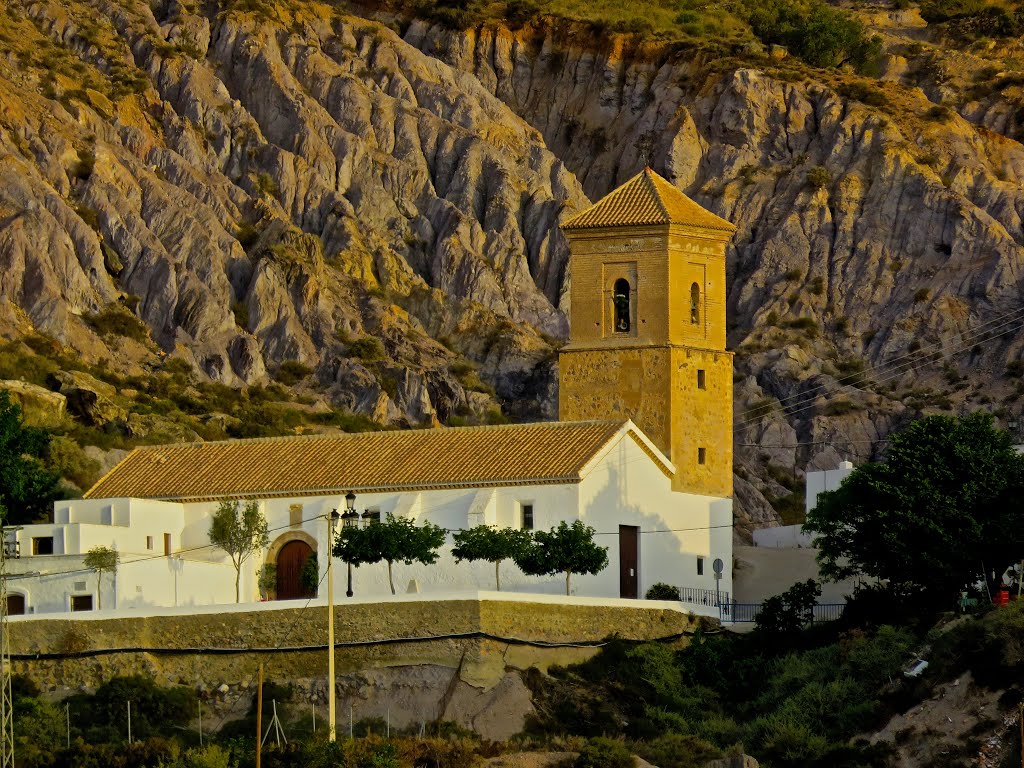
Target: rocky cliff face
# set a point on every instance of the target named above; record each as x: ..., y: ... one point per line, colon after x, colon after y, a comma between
x: 876, y: 270
x: 270, y: 184
x: 258, y: 192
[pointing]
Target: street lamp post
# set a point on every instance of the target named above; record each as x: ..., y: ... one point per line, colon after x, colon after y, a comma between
x: 350, y: 520
x: 332, y: 519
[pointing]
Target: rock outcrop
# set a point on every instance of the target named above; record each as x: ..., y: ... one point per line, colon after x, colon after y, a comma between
x: 264, y: 184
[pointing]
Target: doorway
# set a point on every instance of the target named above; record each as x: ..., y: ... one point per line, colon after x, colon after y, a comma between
x: 15, y: 604
x: 290, y: 560
x: 629, y: 561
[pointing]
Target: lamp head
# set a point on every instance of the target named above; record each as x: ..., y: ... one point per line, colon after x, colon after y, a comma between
x: 350, y: 501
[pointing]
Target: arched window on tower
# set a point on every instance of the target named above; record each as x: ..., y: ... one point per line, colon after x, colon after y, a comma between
x: 695, y: 304
x: 620, y: 300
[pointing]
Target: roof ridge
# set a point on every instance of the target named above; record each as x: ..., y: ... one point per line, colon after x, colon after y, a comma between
x: 653, y: 189
x: 347, y: 435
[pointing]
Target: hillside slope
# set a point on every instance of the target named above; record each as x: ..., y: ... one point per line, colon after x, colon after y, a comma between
x: 271, y: 187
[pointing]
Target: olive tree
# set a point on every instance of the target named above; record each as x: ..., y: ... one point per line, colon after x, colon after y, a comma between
x: 102, y: 560
x: 240, y: 530
x: 492, y: 545
x: 564, y: 549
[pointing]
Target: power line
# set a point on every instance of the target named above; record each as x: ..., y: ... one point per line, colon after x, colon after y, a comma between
x: 1009, y: 323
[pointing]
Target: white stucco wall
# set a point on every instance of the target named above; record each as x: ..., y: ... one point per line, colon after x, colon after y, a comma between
x: 623, y: 486
x: 825, y: 480
x: 49, y: 581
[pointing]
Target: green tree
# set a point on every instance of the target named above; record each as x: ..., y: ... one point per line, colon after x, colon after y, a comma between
x: 492, y: 545
x: 564, y: 549
x: 239, y: 531
x: 945, y: 501
x: 791, y: 611
x: 396, y: 539
x: 27, y: 489
x: 102, y: 560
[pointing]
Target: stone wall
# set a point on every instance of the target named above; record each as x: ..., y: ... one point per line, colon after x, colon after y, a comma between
x: 469, y: 679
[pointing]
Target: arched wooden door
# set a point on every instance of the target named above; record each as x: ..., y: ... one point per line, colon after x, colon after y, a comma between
x: 290, y: 560
x: 15, y: 604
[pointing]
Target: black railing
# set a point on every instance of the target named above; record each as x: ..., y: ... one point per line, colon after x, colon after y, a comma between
x: 698, y: 596
x: 740, y: 613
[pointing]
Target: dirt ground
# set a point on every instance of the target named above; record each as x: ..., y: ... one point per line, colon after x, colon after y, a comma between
x: 961, y: 724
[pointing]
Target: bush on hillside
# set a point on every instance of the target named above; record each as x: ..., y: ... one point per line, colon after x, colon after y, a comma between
x: 820, y: 34
x: 603, y: 752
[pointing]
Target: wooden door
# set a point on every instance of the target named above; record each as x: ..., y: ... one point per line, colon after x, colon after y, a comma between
x: 290, y: 560
x: 15, y: 604
x: 629, y: 561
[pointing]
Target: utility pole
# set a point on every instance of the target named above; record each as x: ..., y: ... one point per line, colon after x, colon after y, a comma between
x: 332, y: 518
x: 6, y: 700
x: 259, y: 717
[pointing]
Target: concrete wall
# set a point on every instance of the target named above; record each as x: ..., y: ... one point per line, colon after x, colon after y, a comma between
x: 783, y: 537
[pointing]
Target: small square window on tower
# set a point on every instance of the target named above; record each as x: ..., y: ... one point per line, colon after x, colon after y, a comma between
x: 527, y: 517
x: 701, y: 379
x: 701, y: 455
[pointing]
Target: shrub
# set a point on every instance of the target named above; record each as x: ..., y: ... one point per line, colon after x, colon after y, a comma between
x: 368, y: 349
x: 863, y: 93
x: 115, y: 320
x: 790, y: 611
x: 292, y: 372
x: 603, y: 752
x: 68, y: 459
x: 662, y: 591
x: 818, y: 33
x: 921, y: 294
x: 818, y: 177
x: 675, y: 750
x: 83, y: 167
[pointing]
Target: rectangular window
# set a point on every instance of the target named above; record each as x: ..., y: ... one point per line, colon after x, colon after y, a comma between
x: 81, y: 602
x: 527, y: 517
x: 700, y: 567
x: 701, y: 380
x: 371, y: 516
x: 149, y: 542
x: 167, y: 544
x: 295, y: 515
x: 42, y: 545
x: 701, y: 455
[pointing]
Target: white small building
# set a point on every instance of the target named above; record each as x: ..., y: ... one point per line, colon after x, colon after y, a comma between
x: 155, y: 509
x: 793, y: 536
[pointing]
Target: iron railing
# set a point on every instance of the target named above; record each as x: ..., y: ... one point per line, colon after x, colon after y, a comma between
x: 740, y: 613
x: 698, y: 596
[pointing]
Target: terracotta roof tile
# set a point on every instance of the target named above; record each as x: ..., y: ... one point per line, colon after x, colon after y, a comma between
x: 647, y: 199
x: 428, y: 458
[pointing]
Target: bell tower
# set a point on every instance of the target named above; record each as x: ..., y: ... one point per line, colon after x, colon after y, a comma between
x: 647, y: 326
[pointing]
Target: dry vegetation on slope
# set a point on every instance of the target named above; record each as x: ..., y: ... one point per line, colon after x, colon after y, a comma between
x: 361, y: 204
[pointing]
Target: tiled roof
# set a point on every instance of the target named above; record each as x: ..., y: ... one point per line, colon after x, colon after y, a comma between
x: 512, y: 454
x: 647, y: 199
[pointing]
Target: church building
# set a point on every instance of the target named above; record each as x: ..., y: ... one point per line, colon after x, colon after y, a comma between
x: 642, y: 453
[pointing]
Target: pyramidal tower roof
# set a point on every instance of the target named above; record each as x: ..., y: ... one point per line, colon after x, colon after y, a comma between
x: 647, y: 199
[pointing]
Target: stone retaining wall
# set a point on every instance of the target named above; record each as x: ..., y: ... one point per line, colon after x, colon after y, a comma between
x: 455, y: 678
